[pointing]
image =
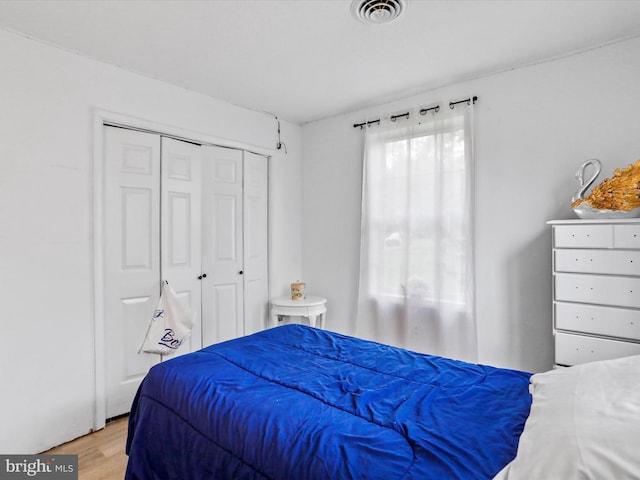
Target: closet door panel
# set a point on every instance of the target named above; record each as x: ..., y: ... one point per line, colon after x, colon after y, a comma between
x: 181, y: 231
x: 134, y: 324
x: 226, y: 299
x: 137, y: 227
x: 131, y: 259
x: 222, y: 251
x: 226, y: 213
x: 255, y: 240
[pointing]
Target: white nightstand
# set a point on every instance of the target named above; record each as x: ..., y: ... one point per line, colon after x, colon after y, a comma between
x: 310, y: 307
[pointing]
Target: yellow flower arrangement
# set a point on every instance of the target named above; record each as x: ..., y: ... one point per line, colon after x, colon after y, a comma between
x: 620, y: 192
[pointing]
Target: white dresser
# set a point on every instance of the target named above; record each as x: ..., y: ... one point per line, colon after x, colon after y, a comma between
x: 596, y: 289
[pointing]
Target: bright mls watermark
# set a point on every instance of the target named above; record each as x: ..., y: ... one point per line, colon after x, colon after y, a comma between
x: 51, y: 467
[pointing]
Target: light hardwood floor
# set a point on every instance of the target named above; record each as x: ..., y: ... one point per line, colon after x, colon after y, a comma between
x: 100, y: 454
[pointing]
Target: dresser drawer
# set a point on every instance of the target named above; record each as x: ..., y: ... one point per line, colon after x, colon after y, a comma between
x: 583, y: 236
x: 576, y: 349
x: 611, y: 262
x: 597, y: 320
x: 626, y: 236
x: 597, y: 289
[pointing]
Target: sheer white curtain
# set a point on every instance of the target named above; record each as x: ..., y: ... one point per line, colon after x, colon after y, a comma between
x: 416, y: 262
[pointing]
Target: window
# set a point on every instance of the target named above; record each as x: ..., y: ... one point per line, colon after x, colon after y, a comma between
x: 417, y: 223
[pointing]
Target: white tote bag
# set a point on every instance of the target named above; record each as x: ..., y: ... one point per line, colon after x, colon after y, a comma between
x: 170, y: 326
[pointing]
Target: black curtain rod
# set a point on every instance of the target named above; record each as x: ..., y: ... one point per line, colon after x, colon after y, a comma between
x: 365, y: 123
x: 423, y: 111
x: 393, y: 118
x: 467, y: 101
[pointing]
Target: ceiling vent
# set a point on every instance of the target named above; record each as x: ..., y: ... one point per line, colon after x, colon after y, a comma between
x: 377, y: 12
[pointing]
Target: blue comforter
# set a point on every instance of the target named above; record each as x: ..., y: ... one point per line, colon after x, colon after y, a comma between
x: 299, y: 403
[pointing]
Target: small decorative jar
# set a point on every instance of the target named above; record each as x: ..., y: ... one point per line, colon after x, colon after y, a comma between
x: 297, y: 291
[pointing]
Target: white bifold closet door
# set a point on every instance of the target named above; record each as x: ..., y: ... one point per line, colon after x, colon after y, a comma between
x: 152, y: 233
x: 180, y: 228
x: 190, y: 214
x: 255, y: 242
x: 235, y: 245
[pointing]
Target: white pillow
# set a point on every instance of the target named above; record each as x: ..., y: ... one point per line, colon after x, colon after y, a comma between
x: 584, y: 424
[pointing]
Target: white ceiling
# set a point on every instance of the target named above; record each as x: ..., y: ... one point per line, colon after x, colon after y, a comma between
x: 307, y: 59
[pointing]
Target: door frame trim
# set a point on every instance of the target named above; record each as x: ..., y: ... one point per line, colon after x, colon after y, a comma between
x: 101, y: 118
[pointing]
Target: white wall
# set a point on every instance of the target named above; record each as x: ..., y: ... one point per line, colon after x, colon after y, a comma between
x: 47, y: 97
x: 535, y: 126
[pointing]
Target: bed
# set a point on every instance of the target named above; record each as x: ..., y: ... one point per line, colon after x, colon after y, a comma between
x: 295, y: 402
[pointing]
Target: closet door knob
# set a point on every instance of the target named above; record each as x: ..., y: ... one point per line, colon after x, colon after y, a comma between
x: 204, y: 275
x: 240, y: 272
x: 200, y: 277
